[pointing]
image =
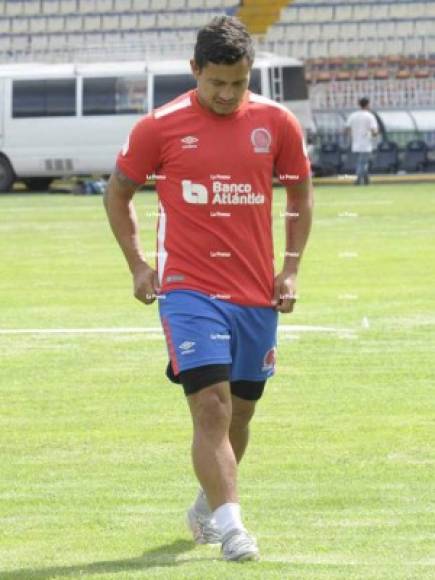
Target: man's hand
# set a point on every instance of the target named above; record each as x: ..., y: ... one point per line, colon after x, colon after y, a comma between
x: 284, y: 297
x: 145, y: 283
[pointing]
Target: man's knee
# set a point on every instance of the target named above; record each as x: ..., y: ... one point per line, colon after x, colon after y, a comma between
x: 243, y: 412
x: 211, y: 408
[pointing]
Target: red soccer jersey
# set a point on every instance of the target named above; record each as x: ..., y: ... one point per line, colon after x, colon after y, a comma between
x: 214, y: 182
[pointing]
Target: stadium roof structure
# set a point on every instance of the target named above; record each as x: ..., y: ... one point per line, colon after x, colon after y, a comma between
x: 165, y: 66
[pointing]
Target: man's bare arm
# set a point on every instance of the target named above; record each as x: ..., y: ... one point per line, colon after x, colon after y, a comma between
x: 298, y: 221
x: 118, y: 201
x: 298, y: 218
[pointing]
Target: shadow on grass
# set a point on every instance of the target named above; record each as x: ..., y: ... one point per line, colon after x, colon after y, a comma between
x: 161, y: 556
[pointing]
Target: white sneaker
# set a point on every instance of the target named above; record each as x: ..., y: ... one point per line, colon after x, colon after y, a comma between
x: 203, y: 528
x: 239, y: 546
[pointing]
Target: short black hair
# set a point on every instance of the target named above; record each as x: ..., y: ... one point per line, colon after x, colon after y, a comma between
x: 224, y: 40
x: 363, y: 102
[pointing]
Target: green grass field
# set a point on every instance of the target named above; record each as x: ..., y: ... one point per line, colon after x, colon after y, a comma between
x: 338, y: 481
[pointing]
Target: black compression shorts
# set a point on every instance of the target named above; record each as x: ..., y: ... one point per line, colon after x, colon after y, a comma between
x: 193, y: 380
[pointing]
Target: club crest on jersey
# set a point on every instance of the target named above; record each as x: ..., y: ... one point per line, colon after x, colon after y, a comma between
x: 189, y: 142
x: 261, y: 140
x: 269, y: 360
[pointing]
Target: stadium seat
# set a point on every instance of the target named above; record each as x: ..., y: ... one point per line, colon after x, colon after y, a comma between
x: 50, y: 6
x: 147, y: 20
x: 348, y: 30
x: 73, y: 23
x: 413, y: 45
x: 177, y: 4
x: 330, y: 30
x: 330, y: 158
x: 13, y: 8
x: 5, y: 25
x: 20, y: 43
x: 56, y: 41
x: 187, y: 36
x: 112, y: 38
x: 166, y: 20
x: 39, y: 42
x: 120, y: 6
x: 128, y: 21
x: 158, y: 5
x: 386, y: 158
x: 76, y: 40
x: 324, y: 13
x: 94, y: 39
x: 405, y: 28
x: 195, y: 4
x: 5, y: 43
x: 55, y: 24
x: 110, y: 22
x: 140, y: 5
x: 379, y: 11
x: 107, y: 5
x: 362, y: 12
x: 91, y: 23
x: 68, y: 7
x: 419, y: 9
x: 311, y: 32
x: 88, y: 7
x: 343, y: 12
x: 38, y: 25
x: 415, y: 158
x: 31, y: 7
x: 20, y: 25
x: 295, y: 32
x: 212, y: 3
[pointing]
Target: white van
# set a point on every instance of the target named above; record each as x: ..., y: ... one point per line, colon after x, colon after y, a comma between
x: 60, y: 120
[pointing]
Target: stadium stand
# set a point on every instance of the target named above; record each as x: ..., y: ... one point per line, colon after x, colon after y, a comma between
x: 86, y: 29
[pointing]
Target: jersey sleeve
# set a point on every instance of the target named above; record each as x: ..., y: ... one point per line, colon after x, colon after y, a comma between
x: 140, y: 154
x: 292, y: 164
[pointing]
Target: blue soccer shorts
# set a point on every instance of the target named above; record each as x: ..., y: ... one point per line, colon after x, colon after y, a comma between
x: 201, y: 330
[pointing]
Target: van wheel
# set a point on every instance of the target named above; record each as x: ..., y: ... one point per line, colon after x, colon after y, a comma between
x: 38, y: 183
x: 7, y: 176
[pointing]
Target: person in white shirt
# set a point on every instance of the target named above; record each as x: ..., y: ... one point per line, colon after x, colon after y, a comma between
x: 363, y: 127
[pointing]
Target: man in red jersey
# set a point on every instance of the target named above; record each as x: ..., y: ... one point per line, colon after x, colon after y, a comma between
x: 215, y: 150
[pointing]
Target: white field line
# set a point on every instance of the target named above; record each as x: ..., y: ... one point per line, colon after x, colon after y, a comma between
x: 282, y: 328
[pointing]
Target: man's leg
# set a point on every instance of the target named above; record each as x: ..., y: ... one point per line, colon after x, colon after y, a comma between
x: 213, y: 457
x: 366, y: 169
x: 215, y: 465
x: 243, y: 412
x: 359, y: 169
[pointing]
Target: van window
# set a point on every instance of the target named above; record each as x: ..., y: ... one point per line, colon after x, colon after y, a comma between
x: 167, y: 87
x: 294, y: 84
x: 115, y: 96
x: 255, y: 81
x: 44, y: 98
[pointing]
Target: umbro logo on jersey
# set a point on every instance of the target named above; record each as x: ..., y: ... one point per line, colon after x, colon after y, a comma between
x: 189, y: 142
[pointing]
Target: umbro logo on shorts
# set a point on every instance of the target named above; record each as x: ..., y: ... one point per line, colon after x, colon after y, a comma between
x: 186, y: 347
